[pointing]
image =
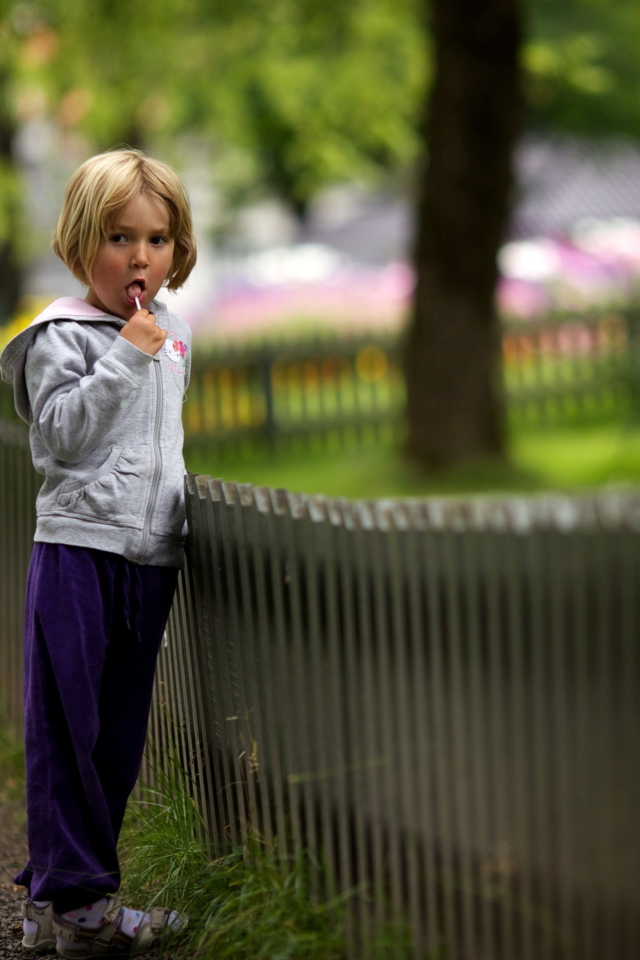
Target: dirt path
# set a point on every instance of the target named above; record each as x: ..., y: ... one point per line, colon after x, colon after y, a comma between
x: 13, y: 851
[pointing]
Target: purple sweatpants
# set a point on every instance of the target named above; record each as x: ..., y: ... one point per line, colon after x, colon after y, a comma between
x: 93, y: 626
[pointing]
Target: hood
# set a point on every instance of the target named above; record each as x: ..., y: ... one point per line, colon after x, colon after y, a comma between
x: 13, y: 357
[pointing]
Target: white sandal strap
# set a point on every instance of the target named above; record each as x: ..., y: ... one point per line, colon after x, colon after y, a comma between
x: 150, y: 935
x: 30, y: 911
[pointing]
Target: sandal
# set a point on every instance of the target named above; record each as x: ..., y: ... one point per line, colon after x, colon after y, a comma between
x: 43, y: 940
x: 109, y: 941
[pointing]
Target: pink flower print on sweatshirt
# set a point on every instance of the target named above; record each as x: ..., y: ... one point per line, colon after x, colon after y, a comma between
x: 176, y: 353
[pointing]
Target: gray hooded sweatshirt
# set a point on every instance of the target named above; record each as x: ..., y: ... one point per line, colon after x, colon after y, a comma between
x: 105, y: 430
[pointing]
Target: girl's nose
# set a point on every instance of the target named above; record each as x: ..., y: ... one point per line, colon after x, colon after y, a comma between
x: 139, y: 255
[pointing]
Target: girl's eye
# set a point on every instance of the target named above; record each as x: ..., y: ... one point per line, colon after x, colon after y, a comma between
x: 118, y: 238
x: 158, y: 241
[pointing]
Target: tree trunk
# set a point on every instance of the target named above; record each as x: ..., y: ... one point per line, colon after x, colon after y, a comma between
x: 455, y: 406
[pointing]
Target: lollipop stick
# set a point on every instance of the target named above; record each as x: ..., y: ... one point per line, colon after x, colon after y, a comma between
x: 137, y: 303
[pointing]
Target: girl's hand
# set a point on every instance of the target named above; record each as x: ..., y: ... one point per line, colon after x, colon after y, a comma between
x: 143, y: 332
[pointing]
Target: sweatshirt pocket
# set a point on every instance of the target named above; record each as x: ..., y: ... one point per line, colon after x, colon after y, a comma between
x: 115, y: 492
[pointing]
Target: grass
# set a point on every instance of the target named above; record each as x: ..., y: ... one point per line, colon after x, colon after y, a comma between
x: 577, y: 459
x: 244, y: 905
x: 583, y: 457
x: 11, y: 765
x: 247, y: 904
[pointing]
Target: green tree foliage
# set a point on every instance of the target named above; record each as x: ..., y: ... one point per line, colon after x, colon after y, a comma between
x: 114, y: 65
x: 326, y: 93
x: 307, y: 93
x: 582, y: 70
x: 12, y: 34
x: 296, y: 94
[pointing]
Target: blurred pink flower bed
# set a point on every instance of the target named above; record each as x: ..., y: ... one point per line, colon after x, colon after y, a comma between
x: 352, y: 297
x: 598, y: 265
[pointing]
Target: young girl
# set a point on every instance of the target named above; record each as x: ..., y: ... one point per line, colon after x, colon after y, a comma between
x: 100, y: 381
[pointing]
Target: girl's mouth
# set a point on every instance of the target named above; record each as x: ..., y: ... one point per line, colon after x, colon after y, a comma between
x: 135, y: 289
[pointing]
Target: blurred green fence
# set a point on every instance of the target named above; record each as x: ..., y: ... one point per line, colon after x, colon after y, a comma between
x: 19, y: 485
x: 564, y: 368
x: 275, y: 394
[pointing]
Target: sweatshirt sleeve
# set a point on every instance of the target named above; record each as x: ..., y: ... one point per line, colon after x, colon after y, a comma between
x: 72, y: 409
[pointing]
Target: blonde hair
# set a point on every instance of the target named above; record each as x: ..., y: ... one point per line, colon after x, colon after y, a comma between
x: 98, y: 191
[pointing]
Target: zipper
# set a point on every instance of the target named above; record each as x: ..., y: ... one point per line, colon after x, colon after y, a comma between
x: 155, y: 478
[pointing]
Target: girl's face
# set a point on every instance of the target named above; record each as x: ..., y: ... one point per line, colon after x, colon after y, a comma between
x: 133, y: 259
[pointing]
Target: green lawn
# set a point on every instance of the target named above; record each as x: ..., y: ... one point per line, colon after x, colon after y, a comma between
x: 569, y: 459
